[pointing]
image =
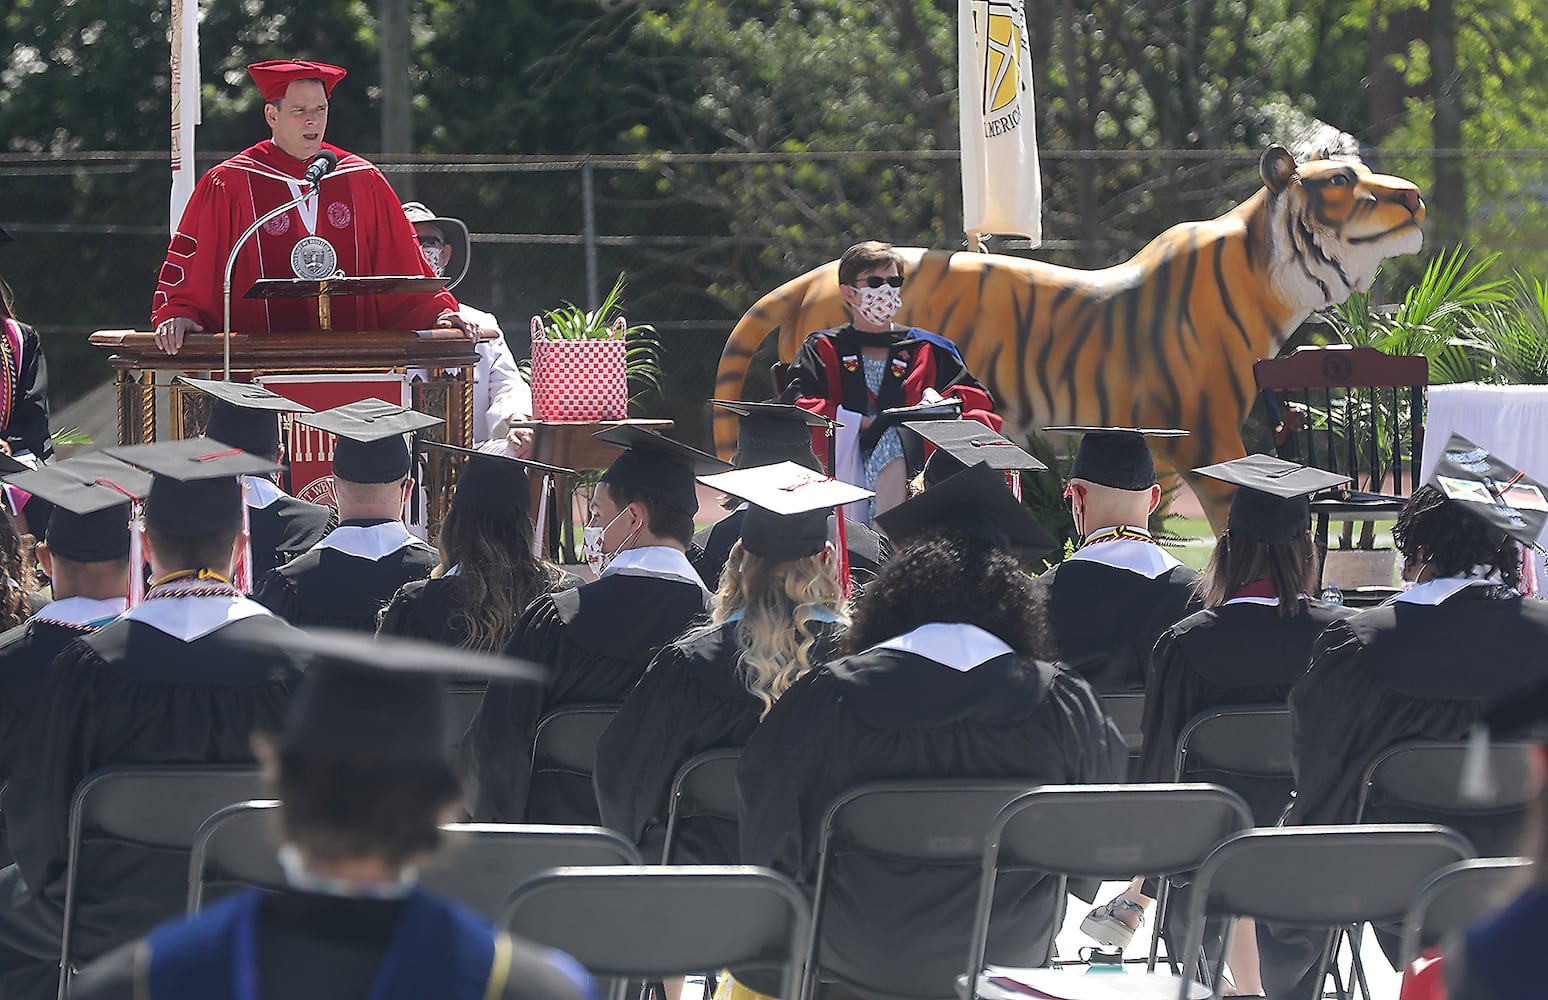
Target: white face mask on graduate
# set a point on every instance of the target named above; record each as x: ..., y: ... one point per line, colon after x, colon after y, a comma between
x: 877, y: 306
x: 591, y: 543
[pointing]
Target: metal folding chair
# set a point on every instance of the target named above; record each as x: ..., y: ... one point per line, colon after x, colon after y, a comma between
x: 704, y: 788
x: 566, y: 740
x: 1457, y: 896
x: 661, y: 921
x: 1247, y: 749
x: 1127, y: 710
x: 478, y: 867
x: 1420, y: 781
x: 159, y: 808
x: 1104, y: 832
x: 940, y: 823
x: 1315, y: 876
x: 461, y: 703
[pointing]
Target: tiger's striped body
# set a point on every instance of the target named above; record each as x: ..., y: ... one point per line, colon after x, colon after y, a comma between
x: 1166, y: 339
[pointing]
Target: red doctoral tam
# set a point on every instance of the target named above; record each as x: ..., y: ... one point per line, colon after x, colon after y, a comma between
x: 276, y: 75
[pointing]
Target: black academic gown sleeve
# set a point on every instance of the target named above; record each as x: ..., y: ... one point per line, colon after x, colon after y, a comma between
x: 690, y: 700
x: 28, y: 427
x: 1106, y: 620
x: 419, y: 611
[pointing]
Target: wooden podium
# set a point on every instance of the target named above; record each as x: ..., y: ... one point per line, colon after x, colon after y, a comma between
x: 447, y: 355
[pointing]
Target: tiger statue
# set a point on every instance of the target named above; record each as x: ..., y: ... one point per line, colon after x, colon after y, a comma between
x: 1165, y: 339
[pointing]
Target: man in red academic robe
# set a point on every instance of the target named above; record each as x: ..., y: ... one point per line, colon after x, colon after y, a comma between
x: 352, y: 222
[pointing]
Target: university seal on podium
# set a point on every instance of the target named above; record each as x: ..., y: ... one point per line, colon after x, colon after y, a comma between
x: 314, y: 258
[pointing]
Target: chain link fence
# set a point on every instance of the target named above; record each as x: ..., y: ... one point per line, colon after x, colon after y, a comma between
x: 699, y: 237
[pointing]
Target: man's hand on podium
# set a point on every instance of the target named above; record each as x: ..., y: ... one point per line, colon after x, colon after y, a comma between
x: 457, y: 321
x: 169, y: 335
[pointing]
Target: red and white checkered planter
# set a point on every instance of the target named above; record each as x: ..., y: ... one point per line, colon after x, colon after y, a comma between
x: 579, y: 380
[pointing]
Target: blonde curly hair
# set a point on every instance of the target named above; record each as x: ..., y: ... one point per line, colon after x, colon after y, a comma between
x: 783, y: 606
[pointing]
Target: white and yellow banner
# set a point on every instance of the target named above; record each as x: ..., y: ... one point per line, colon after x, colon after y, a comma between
x: 1001, y: 189
x: 185, y: 103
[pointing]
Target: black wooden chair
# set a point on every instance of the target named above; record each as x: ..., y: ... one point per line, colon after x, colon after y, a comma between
x: 1364, y: 414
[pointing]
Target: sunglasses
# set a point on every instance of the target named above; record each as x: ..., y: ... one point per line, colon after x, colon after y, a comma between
x: 876, y: 281
x: 431, y: 241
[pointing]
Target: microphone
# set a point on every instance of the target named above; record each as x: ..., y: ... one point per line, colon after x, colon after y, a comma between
x: 322, y: 164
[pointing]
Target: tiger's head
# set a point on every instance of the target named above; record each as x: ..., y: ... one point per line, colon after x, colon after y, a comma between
x: 1332, y: 223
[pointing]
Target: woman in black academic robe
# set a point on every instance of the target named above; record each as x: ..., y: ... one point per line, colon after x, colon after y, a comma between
x: 772, y: 621
x: 23, y: 384
x: 943, y: 680
x: 487, y: 574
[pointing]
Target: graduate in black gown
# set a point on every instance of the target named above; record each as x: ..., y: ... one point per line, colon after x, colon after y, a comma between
x: 1113, y: 598
x: 1252, y: 642
x: 177, y: 679
x: 946, y: 677
x: 363, y: 778
x: 488, y: 573
x: 767, y: 434
x: 279, y: 526
x: 595, y: 640
x: 86, y: 557
x: 1425, y: 665
x: 346, y: 579
x: 779, y: 613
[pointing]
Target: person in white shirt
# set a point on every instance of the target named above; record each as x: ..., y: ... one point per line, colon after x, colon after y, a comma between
x: 501, y: 394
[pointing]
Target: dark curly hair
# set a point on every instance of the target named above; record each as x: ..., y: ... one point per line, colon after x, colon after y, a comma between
x: 1438, y: 533
x: 953, y: 577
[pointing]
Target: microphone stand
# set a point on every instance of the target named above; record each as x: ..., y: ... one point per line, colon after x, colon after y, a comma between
x: 231, y: 263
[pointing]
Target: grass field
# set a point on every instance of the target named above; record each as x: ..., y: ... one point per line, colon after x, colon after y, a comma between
x: 1190, y: 539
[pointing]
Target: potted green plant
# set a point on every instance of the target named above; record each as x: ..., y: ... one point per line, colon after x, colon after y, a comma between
x: 583, y: 360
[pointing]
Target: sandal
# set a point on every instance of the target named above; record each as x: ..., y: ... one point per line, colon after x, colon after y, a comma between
x: 1104, y: 926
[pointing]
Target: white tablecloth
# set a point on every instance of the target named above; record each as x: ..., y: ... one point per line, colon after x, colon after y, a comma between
x: 1509, y: 420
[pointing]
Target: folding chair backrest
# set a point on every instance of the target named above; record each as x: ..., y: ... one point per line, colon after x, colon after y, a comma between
x: 478, y: 865
x: 566, y: 740
x: 235, y: 846
x: 1318, y: 876
x: 1115, y: 831
x: 482, y: 862
x: 939, y: 824
x: 1421, y: 782
x: 1127, y: 710
x: 1247, y: 749
x: 1457, y: 896
x: 461, y: 703
x: 159, y: 808
x: 704, y: 787
x: 660, y: 921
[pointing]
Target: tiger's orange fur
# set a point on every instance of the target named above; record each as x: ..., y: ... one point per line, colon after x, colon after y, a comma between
x: 1166, y: 339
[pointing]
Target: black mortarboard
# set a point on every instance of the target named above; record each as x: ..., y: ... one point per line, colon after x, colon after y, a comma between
x: 963, y: 443
x: 493, y: 483
x: 657, y: 466
x: 975, y: 502
x: 245, y: 414
x: 1489, y: 488
x: 378, y: 700
x: 195, y: 490
x: 370, y: 446
x: 90, y: 497
x: 1115, y: 457
x: 769, y: 433
x: 788, y: 507
x: 1272, y: 502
